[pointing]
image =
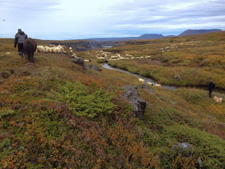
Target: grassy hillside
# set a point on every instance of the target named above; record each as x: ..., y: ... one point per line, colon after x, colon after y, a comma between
x: 184, y: 61
x: 53, y: 114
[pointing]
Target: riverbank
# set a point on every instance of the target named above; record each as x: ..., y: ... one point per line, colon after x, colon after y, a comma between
x: 174, y: 76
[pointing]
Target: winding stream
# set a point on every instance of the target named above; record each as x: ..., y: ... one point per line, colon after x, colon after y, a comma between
x: 146, y: 79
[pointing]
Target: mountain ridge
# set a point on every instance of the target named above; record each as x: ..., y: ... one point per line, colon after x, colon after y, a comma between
x: 157, y: 36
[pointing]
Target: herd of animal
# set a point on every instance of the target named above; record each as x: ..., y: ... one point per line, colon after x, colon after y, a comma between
x: 51, y: 49
x: 102, y: 55
x: 60, y: 49
x: 149, y: 83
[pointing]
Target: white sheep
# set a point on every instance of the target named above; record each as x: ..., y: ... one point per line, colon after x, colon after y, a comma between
x: 158, y: 85
x: 7, y: 53
x: 87, y: 60
x: 56, y: 50
x: 47, y: 49
x: 149, y: 83
x: 141, y: 80
x: 40, y: 49
x: 218, y: 99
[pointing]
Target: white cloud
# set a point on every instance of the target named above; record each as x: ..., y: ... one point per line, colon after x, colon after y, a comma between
x: 68, y: 19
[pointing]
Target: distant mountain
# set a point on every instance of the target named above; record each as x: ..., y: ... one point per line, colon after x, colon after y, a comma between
x: 193, y: 32
x: 153, y: 36
x: 145, y: 36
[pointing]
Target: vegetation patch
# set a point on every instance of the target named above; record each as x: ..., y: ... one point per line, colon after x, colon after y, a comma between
x: 86, y: 101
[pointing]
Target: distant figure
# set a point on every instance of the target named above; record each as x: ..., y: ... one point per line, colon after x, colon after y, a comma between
x: 211, y: 86
x: 29, y: 47
x: 19, y: 38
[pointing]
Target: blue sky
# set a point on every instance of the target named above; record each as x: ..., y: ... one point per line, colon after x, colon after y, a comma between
x: 73, y: 19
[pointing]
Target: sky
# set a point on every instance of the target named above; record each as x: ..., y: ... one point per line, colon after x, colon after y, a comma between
x: 82, y: 19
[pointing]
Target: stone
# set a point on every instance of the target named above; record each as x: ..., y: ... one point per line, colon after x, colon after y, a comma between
x: 138, y: 104
x: 93, y: 67
x: 185, y: 149
x: 79, y: 61
x: 147, y: 87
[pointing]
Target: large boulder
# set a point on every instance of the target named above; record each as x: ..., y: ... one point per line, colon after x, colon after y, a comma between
x: 79, y: 61
x: 138, y: 104
x: 93, y: 67
x: 147, y: 87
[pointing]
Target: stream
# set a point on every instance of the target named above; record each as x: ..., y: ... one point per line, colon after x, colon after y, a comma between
x: 146, y: 79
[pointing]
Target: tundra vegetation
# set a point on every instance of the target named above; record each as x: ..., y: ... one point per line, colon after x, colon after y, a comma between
x: 54, y: 114
x: 182, y: 61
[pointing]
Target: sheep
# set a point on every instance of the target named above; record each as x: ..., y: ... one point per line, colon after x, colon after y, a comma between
x: 40, y: 49
x: 47, y: 49
x: 141, y: 80
x: 7, y: 53
x: 56, y: 50
x: 129, y: 55
x: 60, y: 48
x: 218, y: 99
x: 87, y: 60
x: 149, y: 83
x: 158, y: 85
x: 70, y: 48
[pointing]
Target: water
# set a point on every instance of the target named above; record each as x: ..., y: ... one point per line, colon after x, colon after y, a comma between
x: 106, y: 47
x: 146, y: 79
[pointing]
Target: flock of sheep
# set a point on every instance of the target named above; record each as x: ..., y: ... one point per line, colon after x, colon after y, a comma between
x: 109, y: 56
x: 149, y: 83
x: 52, y: 49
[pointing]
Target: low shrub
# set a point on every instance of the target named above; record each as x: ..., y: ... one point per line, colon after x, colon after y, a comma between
x: 84, y: 101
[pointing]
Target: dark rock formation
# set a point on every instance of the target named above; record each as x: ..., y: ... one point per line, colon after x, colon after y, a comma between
x: 138, y: 104
x: 81, y: 45
x: 93, y: 67
x: 79, y: 61
x: 147, y: 87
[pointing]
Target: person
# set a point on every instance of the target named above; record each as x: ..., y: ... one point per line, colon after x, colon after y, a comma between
x: 211, y: 86
x: 19, y: 39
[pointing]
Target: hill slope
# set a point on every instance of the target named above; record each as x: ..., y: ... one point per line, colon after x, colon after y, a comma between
x: 193, y: 32
x: 54, y: 114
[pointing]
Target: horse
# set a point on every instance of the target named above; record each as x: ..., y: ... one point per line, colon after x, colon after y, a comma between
x: 29, y: 47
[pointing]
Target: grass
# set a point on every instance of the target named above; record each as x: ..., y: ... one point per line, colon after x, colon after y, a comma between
x: 183, y: 61
x: 45, y: 122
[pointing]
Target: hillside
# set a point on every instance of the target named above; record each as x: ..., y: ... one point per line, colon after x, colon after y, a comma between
x: 156, y: 36
x: 193, y: 32
x: 191, y: 60
x: 54, y: 114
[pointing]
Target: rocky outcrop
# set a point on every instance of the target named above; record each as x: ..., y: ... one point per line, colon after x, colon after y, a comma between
x: 80, y: 45
x: 93, y: 67
x: 138, y: 104
x: 147, y: 87
x: 186, y: 150
x: 79, y: 61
